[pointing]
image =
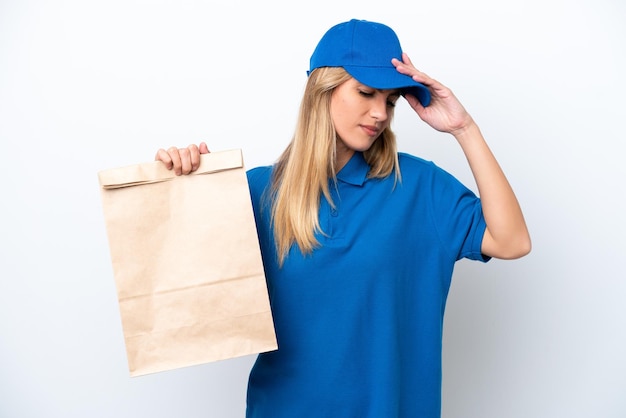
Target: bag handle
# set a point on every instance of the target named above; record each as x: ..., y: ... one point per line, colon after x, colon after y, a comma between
x: 155, y: 171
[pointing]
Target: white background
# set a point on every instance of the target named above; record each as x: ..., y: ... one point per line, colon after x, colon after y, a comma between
x: 87, y: 85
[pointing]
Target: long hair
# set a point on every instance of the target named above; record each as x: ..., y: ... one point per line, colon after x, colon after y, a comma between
x: 302, y: 172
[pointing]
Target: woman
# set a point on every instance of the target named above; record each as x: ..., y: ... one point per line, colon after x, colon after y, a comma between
x: 359, y: 241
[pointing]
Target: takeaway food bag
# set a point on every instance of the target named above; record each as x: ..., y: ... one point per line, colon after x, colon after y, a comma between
x: 186, y: 263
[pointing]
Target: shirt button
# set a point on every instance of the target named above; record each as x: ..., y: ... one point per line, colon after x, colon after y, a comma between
x: 333, y: 212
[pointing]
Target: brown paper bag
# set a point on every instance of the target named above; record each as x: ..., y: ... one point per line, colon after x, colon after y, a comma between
x: 187, y: 263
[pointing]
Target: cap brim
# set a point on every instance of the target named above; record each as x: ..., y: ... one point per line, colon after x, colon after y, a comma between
x: 390, y: 78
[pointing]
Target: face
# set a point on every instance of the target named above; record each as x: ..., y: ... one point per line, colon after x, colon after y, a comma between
x: 359, y: 114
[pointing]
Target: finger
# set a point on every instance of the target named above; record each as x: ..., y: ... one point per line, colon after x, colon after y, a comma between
x: 163, y: 156
x: 406, y: 59
x: 185, y: 160
x: 414, y: 103
x: 176, y: 160
x: 204, y: 149
x: 410, y: 69
x: 194, y: 156
x: 401, y: 66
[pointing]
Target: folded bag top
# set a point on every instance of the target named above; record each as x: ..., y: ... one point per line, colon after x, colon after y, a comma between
x: 156, y: 171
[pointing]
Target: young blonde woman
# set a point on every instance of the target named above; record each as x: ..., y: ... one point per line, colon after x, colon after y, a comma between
x: 359, y: 241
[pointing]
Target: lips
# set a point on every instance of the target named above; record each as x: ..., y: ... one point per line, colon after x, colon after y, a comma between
x: 371, y: 130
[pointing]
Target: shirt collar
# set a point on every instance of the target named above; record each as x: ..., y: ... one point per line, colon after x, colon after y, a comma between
x: 355, y: 171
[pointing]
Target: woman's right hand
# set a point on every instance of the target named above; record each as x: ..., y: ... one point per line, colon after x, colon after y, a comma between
x: 182, y: 160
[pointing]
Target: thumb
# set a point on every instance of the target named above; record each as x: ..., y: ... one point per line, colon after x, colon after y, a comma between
x: 415, y: 104
x: 204, y: 149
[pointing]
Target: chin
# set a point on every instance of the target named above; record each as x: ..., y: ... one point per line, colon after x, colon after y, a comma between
x: 361, y: 146
x: 358, y: 145
x: 364, y: 147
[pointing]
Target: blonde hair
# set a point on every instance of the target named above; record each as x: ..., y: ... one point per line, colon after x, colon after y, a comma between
x: 301, y: 174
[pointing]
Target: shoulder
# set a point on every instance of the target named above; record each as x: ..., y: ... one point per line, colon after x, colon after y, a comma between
x: 418, y: 171
x: 257, y: 173
x: 259, y: 178
x: 410, y: 165
x: 411, y: 161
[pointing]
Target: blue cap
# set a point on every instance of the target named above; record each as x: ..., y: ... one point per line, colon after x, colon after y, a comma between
x: 365, y: 49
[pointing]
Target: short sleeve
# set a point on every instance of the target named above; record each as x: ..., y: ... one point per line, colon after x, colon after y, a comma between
x: 458, y: 216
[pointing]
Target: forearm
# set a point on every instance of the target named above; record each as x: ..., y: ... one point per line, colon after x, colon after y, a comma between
x: 507, y: 235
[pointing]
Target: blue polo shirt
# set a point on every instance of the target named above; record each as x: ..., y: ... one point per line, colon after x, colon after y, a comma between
x: 359, y: 321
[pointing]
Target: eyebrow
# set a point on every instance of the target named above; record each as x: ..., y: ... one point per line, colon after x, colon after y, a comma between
x: 393, y: 92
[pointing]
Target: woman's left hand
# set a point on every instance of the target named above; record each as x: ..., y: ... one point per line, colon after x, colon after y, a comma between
x: 444, y: 113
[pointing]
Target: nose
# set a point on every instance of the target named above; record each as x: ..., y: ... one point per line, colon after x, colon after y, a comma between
x: 379, y: 109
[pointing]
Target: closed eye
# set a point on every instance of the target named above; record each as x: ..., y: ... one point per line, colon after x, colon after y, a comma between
x: 392, y: 99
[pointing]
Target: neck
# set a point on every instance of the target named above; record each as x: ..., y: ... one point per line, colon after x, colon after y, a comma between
x: 343, y: 155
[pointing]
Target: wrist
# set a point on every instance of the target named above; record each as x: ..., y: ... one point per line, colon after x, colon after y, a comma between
x: 467, y: 131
